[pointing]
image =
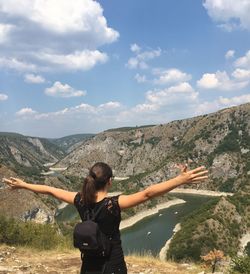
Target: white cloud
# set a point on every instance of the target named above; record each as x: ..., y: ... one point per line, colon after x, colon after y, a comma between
x: 4, y: 32
x: 134, y: 63
x: 244, y: 61
x: 109, y: 106
x: 139, y: 61
x: 148, y: 55
x: 67, y: 34
x: 145, y: 108
x: 63, y: 90
x: 234, y: 101
x: 79, y: 60
x: 179, y: 93
x: 13, y: 63
x: 78, y: 16
x: 135, y: 48
x: 229, y: 13
x: 79, y: 112
x: 161, y: 106
x: 140, y: 78
x: 172, y: 76
x: 221, y: 102
x: 221, y: 81
x: 229, y: 54
x: 208, y: 81
x: 34, y: 79
x: 3, y: 97
x: 26, y: 112
x: 241, y: 74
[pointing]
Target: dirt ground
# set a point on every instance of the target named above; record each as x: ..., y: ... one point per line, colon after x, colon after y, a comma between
x: 30, y: 261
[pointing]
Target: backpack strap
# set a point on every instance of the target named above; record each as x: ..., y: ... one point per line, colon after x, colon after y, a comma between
x: 94, y: 215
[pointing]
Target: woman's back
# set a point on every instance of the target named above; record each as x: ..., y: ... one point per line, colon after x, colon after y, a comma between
x: 108, y: 219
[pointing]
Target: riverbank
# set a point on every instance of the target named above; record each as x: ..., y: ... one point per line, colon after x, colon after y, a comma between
x: 146, y: 213
x: 200, y: 192
x: 164, y: 250
x: 245, y: 239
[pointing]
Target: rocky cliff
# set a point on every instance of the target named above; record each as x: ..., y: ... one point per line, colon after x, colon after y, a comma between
x: 27, y: 155
x: 220, y: 140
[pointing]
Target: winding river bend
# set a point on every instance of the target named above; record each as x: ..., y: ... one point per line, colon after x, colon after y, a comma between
x: 150, y: 234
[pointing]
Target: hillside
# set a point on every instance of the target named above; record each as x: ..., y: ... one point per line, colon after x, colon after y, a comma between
x: 27, y: 155
x: 220, y: 140
x: 145, y: 155
x: 26, y: 205
x: 71, y: 142
x: 218, y: 224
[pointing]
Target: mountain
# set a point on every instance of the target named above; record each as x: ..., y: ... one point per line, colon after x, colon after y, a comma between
x: 146, y: 155
x: 71, y: 142
x: 21, y: 204
x: 219, y: 224
x: 27, y: 155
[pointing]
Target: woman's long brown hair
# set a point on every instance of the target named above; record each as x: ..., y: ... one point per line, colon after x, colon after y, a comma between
x: 98, y: 177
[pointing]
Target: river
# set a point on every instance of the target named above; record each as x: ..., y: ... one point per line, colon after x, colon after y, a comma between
x: 150, y: 234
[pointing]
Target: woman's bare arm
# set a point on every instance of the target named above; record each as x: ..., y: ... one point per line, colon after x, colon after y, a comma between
x: 60, y: 194
x: 192, y: 176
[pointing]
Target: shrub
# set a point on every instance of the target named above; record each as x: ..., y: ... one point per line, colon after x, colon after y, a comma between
x: 241, y: 265
x: 41, y: 236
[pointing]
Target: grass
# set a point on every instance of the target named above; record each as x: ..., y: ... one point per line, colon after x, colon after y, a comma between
x: 68, y: 261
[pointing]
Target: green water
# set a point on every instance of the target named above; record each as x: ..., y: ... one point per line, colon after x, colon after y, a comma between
x: 136, y: 239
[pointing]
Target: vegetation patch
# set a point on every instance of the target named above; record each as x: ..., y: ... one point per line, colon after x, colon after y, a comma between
x: 203, y: 230
x: 40, y: 236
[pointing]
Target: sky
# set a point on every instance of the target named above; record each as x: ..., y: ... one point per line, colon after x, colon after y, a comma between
x: 84, y: 66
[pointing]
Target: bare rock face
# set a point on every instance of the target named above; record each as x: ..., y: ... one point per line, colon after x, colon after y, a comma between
x: 24, y: 205
x: 225, y: 165
x: 19, y: 157
x: 38, y: 215
x: 24, y: 153
x: 37, y: 143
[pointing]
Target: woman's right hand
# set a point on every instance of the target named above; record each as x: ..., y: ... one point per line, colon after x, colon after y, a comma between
x: 14, y: 183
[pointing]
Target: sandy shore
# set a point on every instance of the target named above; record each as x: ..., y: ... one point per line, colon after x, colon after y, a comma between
x: 164, y: 250
x: 143, y: 214
x: 245, y: 239
x: 200, y: 192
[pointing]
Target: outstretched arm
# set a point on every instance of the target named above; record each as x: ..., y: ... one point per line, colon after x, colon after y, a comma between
x: 192, y: 176
x: 60, y: 194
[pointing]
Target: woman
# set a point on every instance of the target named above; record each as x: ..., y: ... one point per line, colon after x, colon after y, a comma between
x: 94, y: 196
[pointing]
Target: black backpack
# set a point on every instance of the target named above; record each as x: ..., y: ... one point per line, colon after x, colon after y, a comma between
x: 90, y: 239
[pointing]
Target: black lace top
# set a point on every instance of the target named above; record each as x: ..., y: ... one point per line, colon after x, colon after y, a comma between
x: 108, y: 219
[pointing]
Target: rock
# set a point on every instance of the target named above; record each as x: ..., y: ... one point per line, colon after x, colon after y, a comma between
x: 38, y: 215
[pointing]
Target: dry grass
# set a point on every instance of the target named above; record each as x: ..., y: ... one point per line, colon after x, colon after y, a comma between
x: 58, y: 261
x: 148, y: 264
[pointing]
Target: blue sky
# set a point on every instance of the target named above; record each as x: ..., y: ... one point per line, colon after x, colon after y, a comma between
x: 86, y: 66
